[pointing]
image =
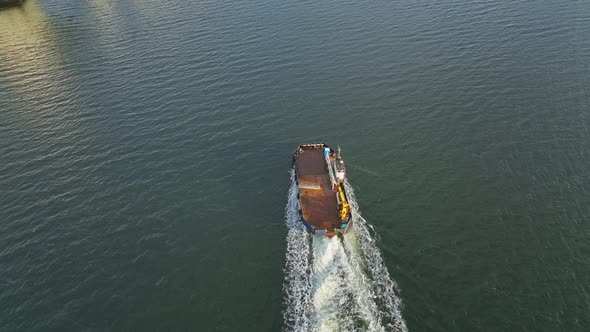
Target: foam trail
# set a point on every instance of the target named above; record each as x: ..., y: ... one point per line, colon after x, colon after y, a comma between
x: 386, y: 291
x: 337, y: 284
x: 297, y: 286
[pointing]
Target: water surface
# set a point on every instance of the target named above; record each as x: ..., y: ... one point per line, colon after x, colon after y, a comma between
x: 145, y: 154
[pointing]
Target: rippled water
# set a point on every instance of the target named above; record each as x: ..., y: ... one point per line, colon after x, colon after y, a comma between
x: 145, y: 155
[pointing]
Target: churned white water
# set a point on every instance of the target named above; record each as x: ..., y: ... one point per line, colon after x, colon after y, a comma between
x: 337, y: 284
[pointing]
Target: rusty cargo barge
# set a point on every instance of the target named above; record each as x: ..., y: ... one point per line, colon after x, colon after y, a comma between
x: 320, y: 175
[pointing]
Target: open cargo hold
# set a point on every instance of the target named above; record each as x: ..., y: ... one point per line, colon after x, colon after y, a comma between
x: 320, y: 175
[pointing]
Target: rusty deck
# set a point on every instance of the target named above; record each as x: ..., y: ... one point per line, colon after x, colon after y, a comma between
x: 319, y: 206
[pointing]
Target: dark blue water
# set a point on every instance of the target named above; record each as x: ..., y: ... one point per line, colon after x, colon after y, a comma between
x: 145, y: 155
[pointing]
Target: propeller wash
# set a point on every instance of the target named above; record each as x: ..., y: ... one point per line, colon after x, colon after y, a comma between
x: 337, y: 283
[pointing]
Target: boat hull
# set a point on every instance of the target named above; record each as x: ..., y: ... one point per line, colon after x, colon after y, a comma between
x: 321, y: 198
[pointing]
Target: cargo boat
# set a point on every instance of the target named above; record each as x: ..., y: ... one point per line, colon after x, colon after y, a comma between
x: 320, y: 175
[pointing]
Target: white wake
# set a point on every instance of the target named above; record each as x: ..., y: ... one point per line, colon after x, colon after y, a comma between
x: 337, y: 284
